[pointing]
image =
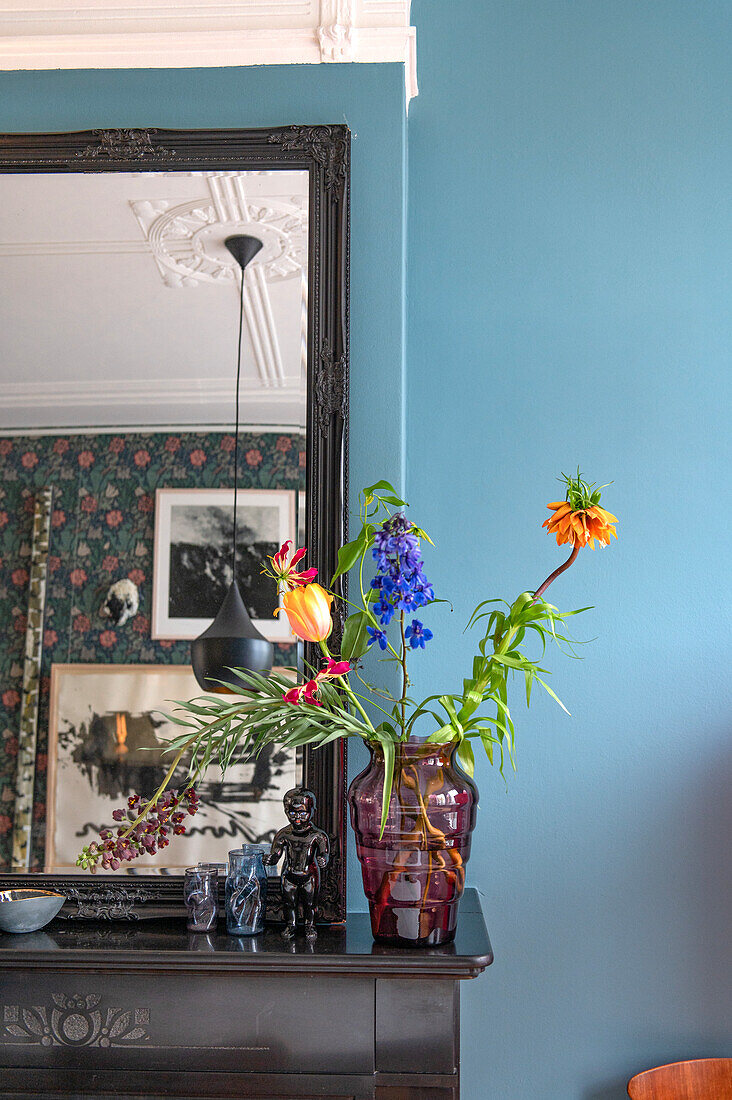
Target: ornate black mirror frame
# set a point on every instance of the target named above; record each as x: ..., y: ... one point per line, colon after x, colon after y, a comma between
x: 325, y: 152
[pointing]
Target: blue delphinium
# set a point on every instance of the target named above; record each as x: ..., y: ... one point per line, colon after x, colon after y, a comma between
x: 400, y: 579
x: 417, y: 634
x: 376, y: 635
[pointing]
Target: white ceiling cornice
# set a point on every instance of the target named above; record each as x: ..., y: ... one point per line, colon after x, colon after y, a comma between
x: 152, y: 402
x: 107, y: 34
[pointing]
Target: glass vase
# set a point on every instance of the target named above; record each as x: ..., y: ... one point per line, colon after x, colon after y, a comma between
x: 246, y: 891
x: 200, y: 893
x: 414, y: 874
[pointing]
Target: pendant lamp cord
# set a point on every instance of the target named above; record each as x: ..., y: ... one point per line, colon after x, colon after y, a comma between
x: 236, y: 429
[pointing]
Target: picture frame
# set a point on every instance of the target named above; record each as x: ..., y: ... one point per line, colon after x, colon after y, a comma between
x: 106, y: 722
x: 192, y: 557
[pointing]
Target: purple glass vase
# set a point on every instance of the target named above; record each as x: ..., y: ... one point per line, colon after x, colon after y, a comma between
x: 414, y: 875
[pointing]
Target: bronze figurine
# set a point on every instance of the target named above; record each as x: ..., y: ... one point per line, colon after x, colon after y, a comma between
x: 306, y: 849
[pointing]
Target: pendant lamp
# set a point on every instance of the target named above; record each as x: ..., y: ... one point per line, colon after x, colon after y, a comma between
x: 232, y: 640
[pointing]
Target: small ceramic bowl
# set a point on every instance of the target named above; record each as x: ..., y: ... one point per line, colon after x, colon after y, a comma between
x: 28, y: 910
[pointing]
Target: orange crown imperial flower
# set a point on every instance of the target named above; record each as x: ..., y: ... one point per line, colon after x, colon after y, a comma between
x: 579, y: 519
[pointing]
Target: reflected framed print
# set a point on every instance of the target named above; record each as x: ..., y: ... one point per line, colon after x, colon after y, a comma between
x: 192, y: 568
x: 108, y: 729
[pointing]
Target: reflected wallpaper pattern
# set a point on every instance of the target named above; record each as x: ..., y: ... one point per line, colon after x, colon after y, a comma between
x: 102, y: 530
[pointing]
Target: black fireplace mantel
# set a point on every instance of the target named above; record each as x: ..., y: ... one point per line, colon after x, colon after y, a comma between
x: 149, y: 1010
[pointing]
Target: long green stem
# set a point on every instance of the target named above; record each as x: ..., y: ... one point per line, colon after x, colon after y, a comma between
x: 382, y: 694
x: 370, y: 701
x: 405, y: 677
x: 169, y: 775
x: 347, y: 688
x: 366, y: 608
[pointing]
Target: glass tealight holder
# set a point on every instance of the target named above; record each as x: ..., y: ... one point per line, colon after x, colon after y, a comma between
x: 201, y: 896
x: 246, y: 891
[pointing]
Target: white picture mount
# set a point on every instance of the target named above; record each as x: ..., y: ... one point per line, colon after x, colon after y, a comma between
x: 107, y: 34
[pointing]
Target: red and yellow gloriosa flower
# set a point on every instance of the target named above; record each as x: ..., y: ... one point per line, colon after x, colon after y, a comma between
x: 283, y: 568
x: 307, y: 693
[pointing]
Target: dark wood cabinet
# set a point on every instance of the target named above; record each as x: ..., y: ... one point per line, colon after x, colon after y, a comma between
x: 150, y: 1011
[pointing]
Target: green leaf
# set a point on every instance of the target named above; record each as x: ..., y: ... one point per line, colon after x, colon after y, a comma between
x: 466, y: 757
x: 449, y: 706
x: 443, y: 735
x: 553, y: 694
x: 355, y: 636
x: 488, y: 743
x: 383, y: 489
x: 388, y: 749
x: 512, y: 662
x: 528, y: 676
x: 349, y: 554
x: 422, y: 534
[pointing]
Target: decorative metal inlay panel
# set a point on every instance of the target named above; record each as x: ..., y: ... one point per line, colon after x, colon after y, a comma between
x: 124, y: 145
x: 331, y: 389
x: 28, y: 731
x: 76, y: 1021
x: 106, y: 903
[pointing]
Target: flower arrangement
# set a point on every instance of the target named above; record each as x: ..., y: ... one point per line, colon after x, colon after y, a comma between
x: 335, y: 700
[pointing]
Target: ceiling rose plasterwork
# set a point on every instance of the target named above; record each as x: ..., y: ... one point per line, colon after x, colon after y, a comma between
x: 187, y: 239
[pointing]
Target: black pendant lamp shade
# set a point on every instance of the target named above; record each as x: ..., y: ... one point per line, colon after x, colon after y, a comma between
x: 232, y: 640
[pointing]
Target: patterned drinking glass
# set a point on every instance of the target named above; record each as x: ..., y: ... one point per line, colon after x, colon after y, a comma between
x: 246, y: 891
x: 201, y: 895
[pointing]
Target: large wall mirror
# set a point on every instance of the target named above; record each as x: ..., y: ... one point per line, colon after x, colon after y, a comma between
x: 119, y: 322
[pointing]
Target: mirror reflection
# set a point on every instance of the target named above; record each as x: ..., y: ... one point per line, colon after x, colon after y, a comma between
x: 119, y: 326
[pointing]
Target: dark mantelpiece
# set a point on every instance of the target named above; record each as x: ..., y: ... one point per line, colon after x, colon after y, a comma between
x: 149, y: 1010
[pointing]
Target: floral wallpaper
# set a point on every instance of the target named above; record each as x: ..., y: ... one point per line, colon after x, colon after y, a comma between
x: 101, y: 530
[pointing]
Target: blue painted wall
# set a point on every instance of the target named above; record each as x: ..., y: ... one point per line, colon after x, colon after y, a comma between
x: 569, y: 242
x: 568, y: 257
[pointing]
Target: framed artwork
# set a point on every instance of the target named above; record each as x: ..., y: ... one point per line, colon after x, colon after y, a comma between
x: 192, y: 557
x: 107, y: 733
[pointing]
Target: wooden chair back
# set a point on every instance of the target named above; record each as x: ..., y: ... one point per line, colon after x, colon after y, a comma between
x: 703, y: 1079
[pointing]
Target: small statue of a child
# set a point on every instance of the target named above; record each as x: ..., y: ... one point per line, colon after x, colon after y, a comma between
x: 306, y: 849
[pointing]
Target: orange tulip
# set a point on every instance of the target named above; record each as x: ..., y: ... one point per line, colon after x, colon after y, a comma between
x: 308, y: 609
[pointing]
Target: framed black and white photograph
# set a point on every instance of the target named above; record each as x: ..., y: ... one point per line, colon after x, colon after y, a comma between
x: 192, y: 557
x: 108, y: 729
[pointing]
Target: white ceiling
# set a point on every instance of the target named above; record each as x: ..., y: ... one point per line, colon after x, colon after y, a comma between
x: 119, y: 301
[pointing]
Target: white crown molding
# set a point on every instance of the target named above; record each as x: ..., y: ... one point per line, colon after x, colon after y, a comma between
x: 145, y: 401
x: 107, y: 34
x: 156, y: 391
x: 73, y: 248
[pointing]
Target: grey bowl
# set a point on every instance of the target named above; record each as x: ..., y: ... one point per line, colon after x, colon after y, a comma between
x: 28, y: 910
